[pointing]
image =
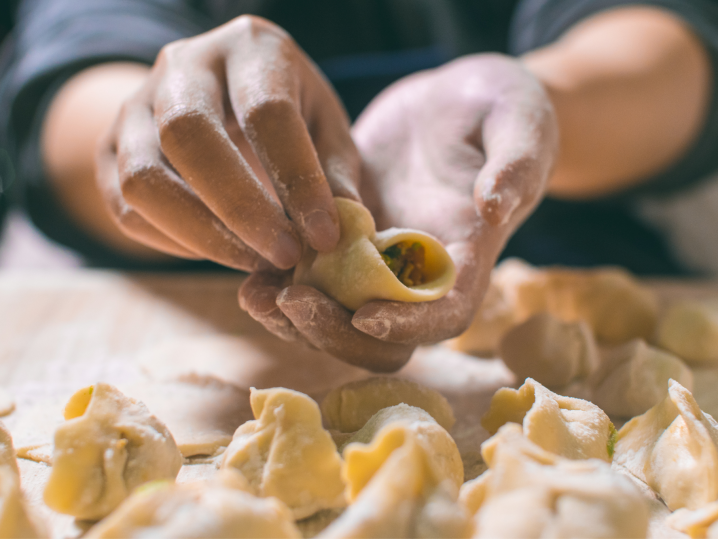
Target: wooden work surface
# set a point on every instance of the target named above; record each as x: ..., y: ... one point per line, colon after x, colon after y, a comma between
x: 63, y: 331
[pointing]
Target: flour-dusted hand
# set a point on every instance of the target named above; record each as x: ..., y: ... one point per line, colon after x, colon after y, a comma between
x: 232, y: 151
x: 462, y: 152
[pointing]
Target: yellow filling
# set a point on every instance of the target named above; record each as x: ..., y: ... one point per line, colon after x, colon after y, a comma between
x: 406, y: 260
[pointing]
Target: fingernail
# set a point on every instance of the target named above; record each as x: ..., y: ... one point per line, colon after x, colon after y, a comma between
x: 323, y: 232
x: 371, y: 326
x: 286, y: 251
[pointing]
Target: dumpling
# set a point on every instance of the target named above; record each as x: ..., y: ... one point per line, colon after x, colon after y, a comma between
x: 405, y: 495
x: 7, y: 451
x: 396, y: 264
x: 349, y: 407
x: 108, y: 445
x: 221, y: 507
x: 366, y: 451
x: 16, y: 518
x: 699, y: 524
x: 550, y: 351
x: 673, y: 448
x: 572, y: 428
x: 690, y: 330
x: 529, y: 492
x: 286, y: 453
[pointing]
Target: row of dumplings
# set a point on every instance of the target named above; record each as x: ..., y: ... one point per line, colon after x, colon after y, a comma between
x: 385, y: 466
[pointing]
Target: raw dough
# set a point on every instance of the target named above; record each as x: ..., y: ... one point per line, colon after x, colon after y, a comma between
x: 572, y: 428
x: 286, y: 453
x: 202, y: 413
x: 16, y: 520
x: 7, y: 452
x: 529, y: 492
x: 355, y: 273
x: 108, y: 445
x: 689, y: 329
x: 220, y: 507
x: 673, y: 447
x: 349, y: 407
x: 550, y: 351
x: 699, y: 524
x: 405, y: 498
x: 390, y: 428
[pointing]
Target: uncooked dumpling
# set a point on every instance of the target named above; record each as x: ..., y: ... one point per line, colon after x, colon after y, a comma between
x: 405, y: 497
x: 220, y: 507
x: 690, y: 330
x: 287, y: 454
x: 529, y: 492
x: 349, y: 407
x: 108, y: 445
x: 16, y: 519
x: 390, y: 428
x: 572, y: 428
x: 396, y: 264
x: 699, y: 524
x: 7, y: 452
x: 673, y: 448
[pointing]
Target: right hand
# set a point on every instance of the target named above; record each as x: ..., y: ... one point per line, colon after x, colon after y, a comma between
x: 232, y: 151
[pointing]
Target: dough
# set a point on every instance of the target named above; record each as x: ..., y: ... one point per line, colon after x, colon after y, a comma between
x: 355, y: 272
x: 699, y: 524
x: 689, y: 329
x: 7, y: 452
x: 572, y: 428
x: 349, y: 407
x: 7, y: 403
x: 220, y: 507
x: 673, y: 448
x: 202, y: 413
x: 389, y: 429
x: 108, y: 445
x: 529, y: 492
x: 287, y: 454
x: 16, y: 520
x: 634, y: 377
x: 550, y: 351
x: 405, y: 498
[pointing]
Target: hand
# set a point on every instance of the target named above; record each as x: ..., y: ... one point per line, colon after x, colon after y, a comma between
x: 463, y: 152
x: 232, y: 150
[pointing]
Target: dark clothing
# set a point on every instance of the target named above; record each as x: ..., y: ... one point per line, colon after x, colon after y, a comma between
x: 362, y: 46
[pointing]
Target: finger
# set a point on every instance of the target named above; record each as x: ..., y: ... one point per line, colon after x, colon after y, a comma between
x: 267, y: 103
x: 431, y: 321
x: 131, y: 223
x: 189, y: 113
x: 155, y: 191
x: 258, y: 297
x: 327, y: 325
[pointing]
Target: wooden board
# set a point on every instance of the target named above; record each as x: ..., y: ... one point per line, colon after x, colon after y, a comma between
x: 63, y: 331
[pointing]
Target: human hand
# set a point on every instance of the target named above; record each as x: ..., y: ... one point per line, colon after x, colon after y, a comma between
x: 232, y: 150
x: 462, y: 152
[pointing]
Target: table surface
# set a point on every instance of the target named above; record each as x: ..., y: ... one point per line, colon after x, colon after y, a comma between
x: 62, y: 331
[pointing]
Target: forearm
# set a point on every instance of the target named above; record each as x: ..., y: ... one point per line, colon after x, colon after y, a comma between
x: 631, y: 89
x: 81, y: 112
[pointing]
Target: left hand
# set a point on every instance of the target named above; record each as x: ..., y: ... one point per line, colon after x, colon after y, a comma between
x: 463, y: 152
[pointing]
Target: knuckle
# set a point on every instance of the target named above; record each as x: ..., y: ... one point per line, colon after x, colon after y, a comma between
x: 170, y: 52
x: 254, y: 25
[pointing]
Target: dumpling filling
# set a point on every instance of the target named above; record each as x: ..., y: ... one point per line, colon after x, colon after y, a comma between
x: 406, y: 260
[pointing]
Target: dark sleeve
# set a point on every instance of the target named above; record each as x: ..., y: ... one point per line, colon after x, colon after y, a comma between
x: 538, y: 23
x: 51, y: 41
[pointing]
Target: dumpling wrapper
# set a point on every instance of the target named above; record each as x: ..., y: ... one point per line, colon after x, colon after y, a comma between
x: 220, y: 507
x: 699, y: 524
x: 108, y: 445
x: 286, y: 453
x: 569, y: 427
x: 673, y: 448
x: 689, y: 329
x: 349, y: 407
x: 367, y: 450
x: 16, y: 518
x: 354, y: 273
x: 404, y: 498
x: 529, y: 492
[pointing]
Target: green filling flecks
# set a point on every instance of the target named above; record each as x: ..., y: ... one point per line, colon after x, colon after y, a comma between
x: 406, y: 260
x: 612, y: 437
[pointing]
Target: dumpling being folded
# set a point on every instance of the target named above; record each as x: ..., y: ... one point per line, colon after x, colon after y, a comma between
x: 673, y: 448
x: 220, y: 507
x: 396, y: 264
x: 529, y: 492
x: 108, y: 445
x: 572, y: 428
x: 286, y: 453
